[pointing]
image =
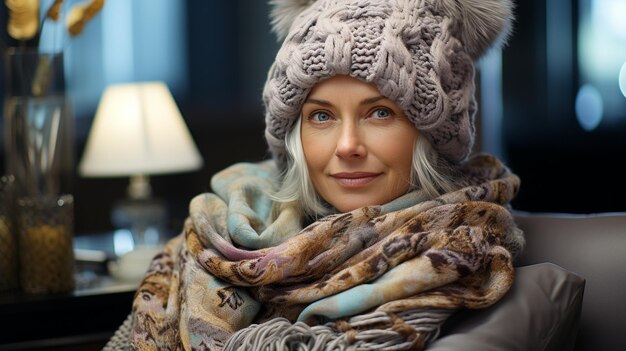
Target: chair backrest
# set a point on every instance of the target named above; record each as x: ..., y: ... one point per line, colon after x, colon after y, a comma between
x: 594, y: 247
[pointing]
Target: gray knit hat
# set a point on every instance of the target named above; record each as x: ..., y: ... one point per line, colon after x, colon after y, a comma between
x: 419, y: 53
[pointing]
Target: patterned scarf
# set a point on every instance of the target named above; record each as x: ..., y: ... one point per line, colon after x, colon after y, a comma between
x: 379, y: 277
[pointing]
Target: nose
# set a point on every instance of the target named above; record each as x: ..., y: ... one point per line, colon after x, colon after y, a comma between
x: 350, y: 144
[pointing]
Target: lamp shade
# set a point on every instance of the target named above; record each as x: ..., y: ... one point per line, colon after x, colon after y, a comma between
x: 138, y: 129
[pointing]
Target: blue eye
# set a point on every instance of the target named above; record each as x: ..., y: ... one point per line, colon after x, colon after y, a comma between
x: 320, y: 117
x: 381, y: 113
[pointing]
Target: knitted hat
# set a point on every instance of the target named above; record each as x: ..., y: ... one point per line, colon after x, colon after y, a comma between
x: 419, y: 53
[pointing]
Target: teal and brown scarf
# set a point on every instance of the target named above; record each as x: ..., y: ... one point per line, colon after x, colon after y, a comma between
x: 379, y: 277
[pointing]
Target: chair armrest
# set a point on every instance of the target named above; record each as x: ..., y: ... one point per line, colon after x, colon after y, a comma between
x: 540, y: 312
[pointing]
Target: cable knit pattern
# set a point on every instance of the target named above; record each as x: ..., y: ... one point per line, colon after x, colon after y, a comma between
x: 410, y: 49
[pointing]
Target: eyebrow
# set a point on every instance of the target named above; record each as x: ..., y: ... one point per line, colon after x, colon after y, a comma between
x: 328, y: 104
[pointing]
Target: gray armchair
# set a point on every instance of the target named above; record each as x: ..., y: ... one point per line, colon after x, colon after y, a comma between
x: 594, y: 247
x: 568, y: 294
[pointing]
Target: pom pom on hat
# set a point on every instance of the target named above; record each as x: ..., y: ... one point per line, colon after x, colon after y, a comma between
x: 284, y: 12
x: 483, y: 24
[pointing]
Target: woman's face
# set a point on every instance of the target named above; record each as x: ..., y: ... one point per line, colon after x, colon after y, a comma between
x: 358, y: 144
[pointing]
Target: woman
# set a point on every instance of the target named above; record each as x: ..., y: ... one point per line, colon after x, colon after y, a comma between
x: 370, y: 226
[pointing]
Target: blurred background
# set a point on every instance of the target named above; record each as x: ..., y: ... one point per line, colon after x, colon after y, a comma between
x: 552, y: 103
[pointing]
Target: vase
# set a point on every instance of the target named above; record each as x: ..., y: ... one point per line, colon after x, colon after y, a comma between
x: 38, y: 131
x: 38, y: 124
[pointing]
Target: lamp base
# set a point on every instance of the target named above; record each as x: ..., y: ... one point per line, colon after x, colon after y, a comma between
x: 145, y: 218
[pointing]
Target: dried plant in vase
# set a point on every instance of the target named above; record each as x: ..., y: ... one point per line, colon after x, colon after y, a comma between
x: 38, y: 127
x: 25, y: 27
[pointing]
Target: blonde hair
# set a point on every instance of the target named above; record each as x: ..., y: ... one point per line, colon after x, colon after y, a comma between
x: 430, y: 174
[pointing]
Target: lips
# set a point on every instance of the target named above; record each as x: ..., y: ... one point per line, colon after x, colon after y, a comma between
x: 354, y: 179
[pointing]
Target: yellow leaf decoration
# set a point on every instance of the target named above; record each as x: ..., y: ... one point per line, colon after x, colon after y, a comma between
x: 55, y: 10
x: 80, y: 14
x: 23, y: 18
x: 42, y: 77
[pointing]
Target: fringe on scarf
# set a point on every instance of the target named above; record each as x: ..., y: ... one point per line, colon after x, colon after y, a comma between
x: 120, y: 341
x: 407, y: 330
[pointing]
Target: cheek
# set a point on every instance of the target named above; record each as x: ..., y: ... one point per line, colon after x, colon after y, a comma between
x: 398, y: 154
x: 316, y: 148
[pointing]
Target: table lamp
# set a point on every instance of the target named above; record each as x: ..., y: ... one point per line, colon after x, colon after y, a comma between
x: 138, y: 131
